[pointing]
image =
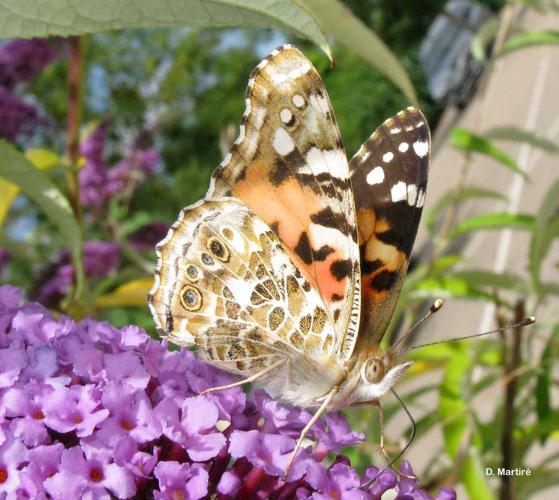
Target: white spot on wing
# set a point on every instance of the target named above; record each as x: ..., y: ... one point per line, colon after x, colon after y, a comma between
x: 375, y: 176
x: 331, y: 162
x: 420, y: 148
x: 258, y: 116
x: 226, y: 160
x: 420, y: 199
x: 298, y: 100
x: 250, y: 143
x: 241, y: 134
x: 412, y: 194
x: 286, y: 115
x: 398, y: 192
x: 387, y: 157
x: 289, y: 71
x: 283, y: 143
x: 403, y: 147
x: 395, y: 130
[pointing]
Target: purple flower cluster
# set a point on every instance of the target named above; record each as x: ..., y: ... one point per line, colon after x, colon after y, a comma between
x: 20, y: 61
x: 98, y: 182
x: 90, y: 411
x: 100, y: 258
x: 23, y: 60
x: 146, y: 237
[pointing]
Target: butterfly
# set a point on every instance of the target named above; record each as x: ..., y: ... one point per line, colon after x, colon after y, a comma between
x: 287, y: 272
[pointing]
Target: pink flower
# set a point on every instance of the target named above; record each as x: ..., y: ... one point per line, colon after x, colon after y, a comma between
x: 80, y: 477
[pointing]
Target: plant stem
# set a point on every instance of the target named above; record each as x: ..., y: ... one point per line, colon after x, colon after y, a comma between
x: 73, y: 125
x: 511, y: 362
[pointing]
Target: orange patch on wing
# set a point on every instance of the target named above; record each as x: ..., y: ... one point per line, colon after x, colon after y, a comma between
x: 269, y: 202
x: 391, y: 258
x: 329, y: 285
x: 366, y: 221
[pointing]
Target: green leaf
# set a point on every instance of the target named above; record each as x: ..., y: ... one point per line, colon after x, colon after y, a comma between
x: 465, y: 193
x: 510, y: 133
x: 459, y: 442
x: 42, y: 159
x: 444, y: 263
x: 546, y: 229
x: 133, y: 293
x: 26, y: 19
x: 483, y: 38
x: 543, y: 387
x: 467, y: 141
x: 337, y: 20
x: 483, y: 278
x: 448, y: 287
x: 15, y: 168
x: 493, y: 221
x: 529, y: 39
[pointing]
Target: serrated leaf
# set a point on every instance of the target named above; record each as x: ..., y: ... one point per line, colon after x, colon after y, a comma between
x: 493, y: 221
x: 510, y: 133
x: 546, y: 229
x: 467, y: 192
x: 467, y: 141
x: 483, y: 278
x: 529, y: 39
x: 15, y: 168
x: 133, y: 293
x: 26, y: 19
x: 337, y: 20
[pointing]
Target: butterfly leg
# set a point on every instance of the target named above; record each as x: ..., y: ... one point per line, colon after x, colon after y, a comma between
x: 375, y: 402
x: 310, y: 423
x: 247, y: 380
x: 381, y: 430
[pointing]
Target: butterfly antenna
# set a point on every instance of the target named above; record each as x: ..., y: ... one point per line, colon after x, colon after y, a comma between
x: 520, y: 324
x: 435, y: 306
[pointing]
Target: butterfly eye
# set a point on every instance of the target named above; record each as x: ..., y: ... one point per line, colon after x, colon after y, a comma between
x: 218, y: 250
x: 374, y: 370
x: 191, y: 298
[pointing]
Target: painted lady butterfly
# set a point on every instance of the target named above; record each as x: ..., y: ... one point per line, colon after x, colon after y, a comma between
x: 288, y: 271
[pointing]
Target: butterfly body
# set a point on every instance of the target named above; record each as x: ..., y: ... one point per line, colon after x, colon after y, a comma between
x: 288, y: 271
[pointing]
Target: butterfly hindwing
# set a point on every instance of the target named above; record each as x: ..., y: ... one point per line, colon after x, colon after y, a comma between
x: 289, y: 166
x: 389, y: 178
x: 225, y: 284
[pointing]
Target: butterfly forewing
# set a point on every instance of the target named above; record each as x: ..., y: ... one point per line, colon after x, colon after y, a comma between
x: 289, y: 166
x: 389, y: 178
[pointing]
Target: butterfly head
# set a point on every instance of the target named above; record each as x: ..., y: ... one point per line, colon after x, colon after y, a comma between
x: 379, y: 372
